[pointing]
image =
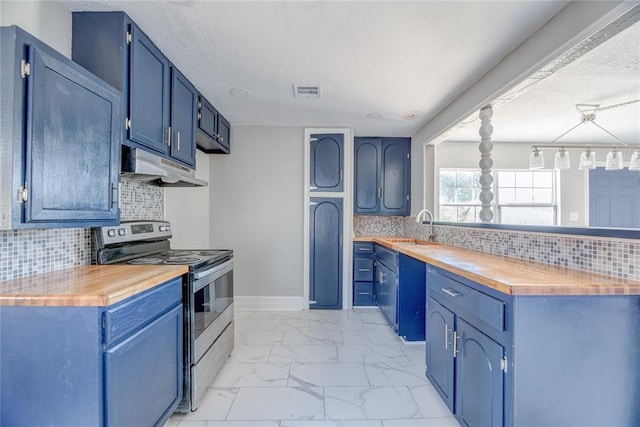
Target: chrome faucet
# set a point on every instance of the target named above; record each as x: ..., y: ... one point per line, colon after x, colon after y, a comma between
x: 423, y: 213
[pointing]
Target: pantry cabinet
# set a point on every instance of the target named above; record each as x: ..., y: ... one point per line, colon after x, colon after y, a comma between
x: 157, y: 98
x: 326, y: 163
x: 119, y: 365
x: 382, y: 176
x: 59, y: 160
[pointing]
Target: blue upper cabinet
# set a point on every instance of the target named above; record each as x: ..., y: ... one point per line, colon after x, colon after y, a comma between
x: 110, y: 45
x: 214, y: 132
x: 382, y: 176
x: 183, y: 118
x: 61, y: 139
x: 147, y: 121
x: 327, y: 162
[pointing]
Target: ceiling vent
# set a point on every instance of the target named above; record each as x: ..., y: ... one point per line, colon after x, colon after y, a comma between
x: 307, y: 91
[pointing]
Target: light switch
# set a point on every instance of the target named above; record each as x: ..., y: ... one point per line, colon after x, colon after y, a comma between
x: 573, y: 216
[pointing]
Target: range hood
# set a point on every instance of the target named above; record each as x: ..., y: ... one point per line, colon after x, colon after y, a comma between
x: 142, y: 166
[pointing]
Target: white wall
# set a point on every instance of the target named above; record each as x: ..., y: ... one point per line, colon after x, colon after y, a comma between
x: 187, y: 208
x: 50, y: 21
x: 573, y: 182
x: 256, y: 209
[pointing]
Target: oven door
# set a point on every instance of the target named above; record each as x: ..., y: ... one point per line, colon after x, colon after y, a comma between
x: 212, y: 295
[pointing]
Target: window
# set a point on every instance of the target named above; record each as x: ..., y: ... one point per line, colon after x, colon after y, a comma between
x: 522, y: 197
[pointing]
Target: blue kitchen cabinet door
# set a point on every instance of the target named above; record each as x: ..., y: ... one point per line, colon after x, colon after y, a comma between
x: 382, y: 176
x: 67, y: 155
x: 387, y: 294
x: 325, y: 254
x: 367, y: 175
x: 439, y: 358
x: 479, y: 380
x: 224, y: 133
x: 326, y: 162
x: 154, y: 349
x: 149, y: 93
x: 395, y: 173
x: 183, y: 118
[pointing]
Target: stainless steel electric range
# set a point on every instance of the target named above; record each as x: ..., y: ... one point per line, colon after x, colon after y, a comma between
x: 207, y: 295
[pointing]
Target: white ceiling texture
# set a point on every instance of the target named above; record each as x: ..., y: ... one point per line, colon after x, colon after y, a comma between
x: 388, y: 57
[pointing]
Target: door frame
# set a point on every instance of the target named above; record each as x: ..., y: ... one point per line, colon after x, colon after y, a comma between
x: 347, y: 219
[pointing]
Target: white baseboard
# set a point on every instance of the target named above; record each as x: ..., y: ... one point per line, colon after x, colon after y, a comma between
x: 269, y: 303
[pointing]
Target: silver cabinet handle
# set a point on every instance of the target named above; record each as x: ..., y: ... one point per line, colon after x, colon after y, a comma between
x: 450, y: 292
x: 446, y: 336
x: 178, y: 140
x: 169, y: 136
x: 364, y: 269
x: 379, y: 192
x: 455, y: 343
x: 364, y: 250
x: 363, y: 293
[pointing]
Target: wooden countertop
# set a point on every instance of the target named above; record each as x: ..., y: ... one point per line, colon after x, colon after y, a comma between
x: 508, y: 275
x: 86, y: 285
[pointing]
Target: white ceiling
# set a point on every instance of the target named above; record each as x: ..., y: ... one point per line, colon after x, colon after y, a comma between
x: 607, y: 75
x: 390, y: 57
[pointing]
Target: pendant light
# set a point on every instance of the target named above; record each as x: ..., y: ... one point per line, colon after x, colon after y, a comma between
x: 562, y: 160
x: 587, y: 159
x: 536, y: 159
x: 634, y: 163
x: 614, y: 160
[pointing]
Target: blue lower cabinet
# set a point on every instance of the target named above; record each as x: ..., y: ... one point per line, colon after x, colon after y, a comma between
x: 504, y: 360
x: 62, y: 367
x: 363, y: 272
x: 400, y: 292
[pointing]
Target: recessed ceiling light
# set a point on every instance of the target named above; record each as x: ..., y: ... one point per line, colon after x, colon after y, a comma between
x: 410, y: 115
x: 375, y: 115
x: 239, y: 92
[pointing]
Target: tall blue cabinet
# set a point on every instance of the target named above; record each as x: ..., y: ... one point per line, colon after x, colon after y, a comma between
x: 382, y: 176
x: 325, y: 252
x: 60, y: 139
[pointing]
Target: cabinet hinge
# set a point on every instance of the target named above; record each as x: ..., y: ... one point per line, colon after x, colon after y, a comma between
x: 199, y: 104
x: 408, y: 155
x: 313, y: 139
x: 25, y: 69
x: 312, y: 203
x: 407, y: 197
x: 313, y: 302
x: 127, y: 123
x: 23, y: 194
x: 199, y: 115
x: 504, y: 365
x: 128, y: 37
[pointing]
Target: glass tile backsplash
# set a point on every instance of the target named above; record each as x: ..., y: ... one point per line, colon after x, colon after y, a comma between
x: 612, y: 257
x: 28, y: 252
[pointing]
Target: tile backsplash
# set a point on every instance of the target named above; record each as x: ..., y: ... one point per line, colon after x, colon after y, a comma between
x: 28, y: 252
x: 612, y: 257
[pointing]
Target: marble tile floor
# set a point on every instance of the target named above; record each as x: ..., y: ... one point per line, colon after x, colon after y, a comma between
x: 319, y: 368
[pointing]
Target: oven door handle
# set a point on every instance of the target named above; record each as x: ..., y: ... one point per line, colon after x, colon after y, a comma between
x: 212, y: 274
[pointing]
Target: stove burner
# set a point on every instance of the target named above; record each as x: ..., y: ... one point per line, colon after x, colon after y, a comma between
x: 182, y: 260
x: 178, y: 253
x: 145, y: 261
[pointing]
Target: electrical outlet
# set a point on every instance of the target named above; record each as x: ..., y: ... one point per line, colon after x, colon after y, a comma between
x: 573, y: 216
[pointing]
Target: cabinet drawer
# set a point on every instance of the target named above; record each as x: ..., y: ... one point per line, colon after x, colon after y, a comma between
x: 124, y: 318
x: 388, y: 257
x: 363, y: 248
x: 463, y: 299
x: 362, y: 270
x: 363, y: 293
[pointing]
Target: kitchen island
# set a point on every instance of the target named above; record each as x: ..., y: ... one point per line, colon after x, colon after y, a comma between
x: 519, y: 343
x: 92, y: 345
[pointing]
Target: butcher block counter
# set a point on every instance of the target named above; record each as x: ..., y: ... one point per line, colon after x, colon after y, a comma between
x: 86, y: 285
x: 508, y: 275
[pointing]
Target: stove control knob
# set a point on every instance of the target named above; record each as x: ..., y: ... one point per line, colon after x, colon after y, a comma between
x: 164, y: 228
x: 122, y: 231
x: 111, y: 232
